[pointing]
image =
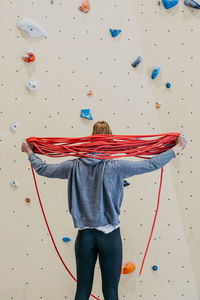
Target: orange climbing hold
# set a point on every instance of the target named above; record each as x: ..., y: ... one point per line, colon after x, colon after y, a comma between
x: 157, y: 105
x: 90, y: 93
x: 28, y: 200
x: 128, y: 267
x: 85, y: 7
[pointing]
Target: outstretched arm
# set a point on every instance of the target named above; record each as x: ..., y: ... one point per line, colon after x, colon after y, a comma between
x: 60, y: 170
x: 127, y: 168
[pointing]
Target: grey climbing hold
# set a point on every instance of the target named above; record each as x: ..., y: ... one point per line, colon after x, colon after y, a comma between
x: 192, y: 3
x: 137, y: 61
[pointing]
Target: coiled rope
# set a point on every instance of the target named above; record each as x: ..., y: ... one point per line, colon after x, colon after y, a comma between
x: 110, y: 146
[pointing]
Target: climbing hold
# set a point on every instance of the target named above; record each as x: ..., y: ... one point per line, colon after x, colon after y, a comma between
x: 15, y: 126
x: 137, y: 61
x: 157, y: 105
x: 28, y: 200
x: 85, y: 7
x: 168, y: 85
x: 126, y: 182
x: 30, y: 57
x: 155, y: 268
x: 155, y: 72
x: 128, y: 268
x: 66, y: 239
x: 192, y: 3
x: 85, y: 113
x: 31, y: 28
x: 90, y: 93
x: 115, y: 32
x: 14, y: 183
x: 169, y: 3
x: 32, y: 86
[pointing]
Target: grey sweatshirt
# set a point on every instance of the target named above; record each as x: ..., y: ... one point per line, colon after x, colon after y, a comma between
x: 95, y: 186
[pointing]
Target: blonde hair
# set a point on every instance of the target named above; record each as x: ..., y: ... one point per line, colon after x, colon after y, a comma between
x: 101, y: 127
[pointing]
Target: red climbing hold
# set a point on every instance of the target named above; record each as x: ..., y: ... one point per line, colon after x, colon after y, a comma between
x: 30, y: 57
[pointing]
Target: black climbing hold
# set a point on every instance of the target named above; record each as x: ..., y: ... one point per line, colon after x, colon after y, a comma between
x: 126, y: 182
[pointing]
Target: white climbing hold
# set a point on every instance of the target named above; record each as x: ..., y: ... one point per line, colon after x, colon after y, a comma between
x: 14, y: 183
x: 32, y: 86
x: 15, y: 126
x: 31, y: 28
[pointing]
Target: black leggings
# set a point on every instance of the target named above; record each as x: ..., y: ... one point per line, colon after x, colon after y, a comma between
x: 89, y: 243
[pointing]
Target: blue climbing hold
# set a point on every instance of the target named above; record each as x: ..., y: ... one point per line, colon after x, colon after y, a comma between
x: 155, y: 268
x: 169, y: 3
x: 192, y: 3
x: 85, y: 113
x: 155, y: 72
x: 115, y: 32
x: 137, y: 61
x: 168, y: 85
x: 126, y: 182
x: 66, y: 239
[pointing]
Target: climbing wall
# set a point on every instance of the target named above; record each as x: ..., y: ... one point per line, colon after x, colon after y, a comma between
x: 77, y: 54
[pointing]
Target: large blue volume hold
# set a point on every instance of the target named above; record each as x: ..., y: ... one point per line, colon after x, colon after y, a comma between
x: 169, y: 3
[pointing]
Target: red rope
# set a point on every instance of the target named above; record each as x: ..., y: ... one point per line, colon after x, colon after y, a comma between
x: 108, y: 146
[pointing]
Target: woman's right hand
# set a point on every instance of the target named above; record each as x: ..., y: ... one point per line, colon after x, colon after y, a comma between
x: 181, y: 141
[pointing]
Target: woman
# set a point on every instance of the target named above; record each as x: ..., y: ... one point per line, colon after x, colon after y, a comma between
x: 95, y: 193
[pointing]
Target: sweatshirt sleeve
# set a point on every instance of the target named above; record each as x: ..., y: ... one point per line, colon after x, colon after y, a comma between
x: 60, y: 170
x: 127, y: 168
